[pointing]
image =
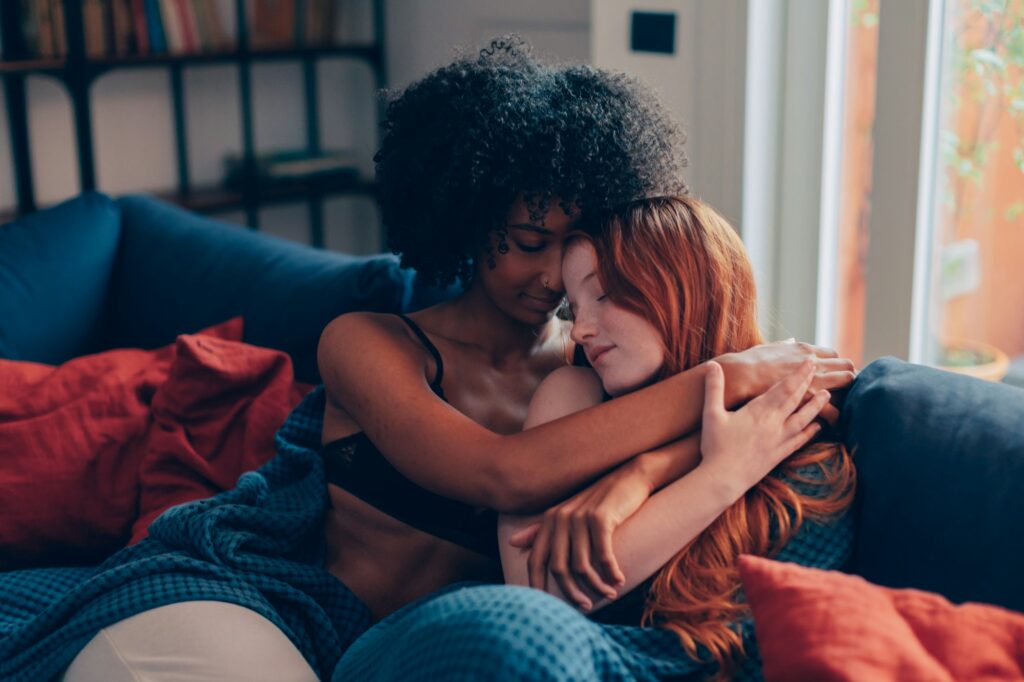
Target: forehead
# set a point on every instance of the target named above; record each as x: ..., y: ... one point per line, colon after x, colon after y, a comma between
x: 554, y: 221
x: 579, y: 260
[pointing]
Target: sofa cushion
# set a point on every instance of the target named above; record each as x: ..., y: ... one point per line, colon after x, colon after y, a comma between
x: 830, y: 627
x: 55, y: 267
x: 178, y: 272
x: 940, y: 484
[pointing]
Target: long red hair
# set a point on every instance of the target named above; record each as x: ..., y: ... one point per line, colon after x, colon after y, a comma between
x: 680, y: 265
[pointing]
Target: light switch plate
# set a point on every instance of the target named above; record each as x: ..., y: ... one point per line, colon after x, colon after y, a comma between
x: 653, y: 32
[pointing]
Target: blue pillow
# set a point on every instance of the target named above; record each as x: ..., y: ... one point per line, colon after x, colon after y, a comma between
x: 178, y: 272
x: 423, y: 295
x: 940, y: 482
x: 55, y: 268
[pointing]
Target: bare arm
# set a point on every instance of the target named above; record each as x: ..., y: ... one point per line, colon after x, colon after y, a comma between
x: 446, y: 452
x: 745, y: 445
x: 568, y: 390
x: 441, y: 449
x: 666, y: 523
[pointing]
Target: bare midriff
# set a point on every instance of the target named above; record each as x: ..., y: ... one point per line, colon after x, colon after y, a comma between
x: 387, y: 563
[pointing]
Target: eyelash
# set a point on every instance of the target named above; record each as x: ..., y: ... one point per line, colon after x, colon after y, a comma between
x: 571, y: 314
x: 530, y: 249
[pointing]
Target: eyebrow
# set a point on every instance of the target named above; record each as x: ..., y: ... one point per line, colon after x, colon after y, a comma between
x: 531, y: 228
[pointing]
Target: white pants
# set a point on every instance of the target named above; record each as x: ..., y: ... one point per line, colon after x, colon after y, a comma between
x: 191, y: 641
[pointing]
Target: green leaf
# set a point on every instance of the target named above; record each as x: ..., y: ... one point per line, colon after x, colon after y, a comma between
x: 1015, y: 210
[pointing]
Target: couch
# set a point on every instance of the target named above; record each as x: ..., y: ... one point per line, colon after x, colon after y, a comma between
x: 940, y: 502
x: 93, y: 273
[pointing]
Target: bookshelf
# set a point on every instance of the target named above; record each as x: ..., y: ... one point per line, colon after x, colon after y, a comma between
x: 80, y: 68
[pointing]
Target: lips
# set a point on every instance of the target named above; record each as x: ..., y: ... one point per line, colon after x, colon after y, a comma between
x: 545, y: 303
x: 595, y: 355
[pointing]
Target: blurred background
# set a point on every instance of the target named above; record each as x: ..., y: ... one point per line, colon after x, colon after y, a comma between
x: 870, y: 152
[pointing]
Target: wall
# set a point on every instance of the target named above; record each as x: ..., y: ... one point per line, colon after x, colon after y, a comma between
x: 702, y: 84
x: 426, y: 34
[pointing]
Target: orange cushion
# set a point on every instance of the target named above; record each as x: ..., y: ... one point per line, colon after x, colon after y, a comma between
x: 826, y: 625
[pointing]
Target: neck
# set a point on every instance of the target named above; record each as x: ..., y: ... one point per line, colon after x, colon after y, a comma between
x: 480, y: 323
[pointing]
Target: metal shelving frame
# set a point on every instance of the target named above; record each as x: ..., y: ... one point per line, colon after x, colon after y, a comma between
x: 78, y: 72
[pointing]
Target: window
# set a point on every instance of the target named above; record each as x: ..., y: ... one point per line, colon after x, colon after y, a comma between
x: 973, y: 318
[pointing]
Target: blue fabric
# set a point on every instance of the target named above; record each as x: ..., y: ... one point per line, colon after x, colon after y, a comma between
x: 940, y: 460
x: 259, y: 545
x: 178, y: 272
x: 55, y: 268
x: 492, y: 632
x: 423, y: 295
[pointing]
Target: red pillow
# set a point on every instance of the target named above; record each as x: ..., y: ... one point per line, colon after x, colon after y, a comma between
x: 214, y: 418
x: 70, y: 451
x: 825, y: 625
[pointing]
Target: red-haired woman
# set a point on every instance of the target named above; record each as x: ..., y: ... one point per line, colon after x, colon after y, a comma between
x: 663, y: 286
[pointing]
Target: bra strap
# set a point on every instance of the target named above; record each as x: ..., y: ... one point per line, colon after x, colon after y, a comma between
x: 436, y: 384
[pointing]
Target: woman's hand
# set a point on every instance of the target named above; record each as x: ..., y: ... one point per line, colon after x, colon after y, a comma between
x: 573, y: 541
x: 740, y: 448
x: 752, y: 372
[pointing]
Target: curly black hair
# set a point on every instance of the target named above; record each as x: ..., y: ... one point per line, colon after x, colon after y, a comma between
x: 460, y: 145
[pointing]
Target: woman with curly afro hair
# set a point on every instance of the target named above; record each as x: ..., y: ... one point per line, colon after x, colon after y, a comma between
x: 468, y: 142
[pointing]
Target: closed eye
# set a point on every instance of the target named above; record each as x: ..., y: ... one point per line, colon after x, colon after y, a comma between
x: 527, y: 248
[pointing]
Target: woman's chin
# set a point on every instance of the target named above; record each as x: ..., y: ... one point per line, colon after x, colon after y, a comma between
x: 615, y: 386
x: 534, y: 316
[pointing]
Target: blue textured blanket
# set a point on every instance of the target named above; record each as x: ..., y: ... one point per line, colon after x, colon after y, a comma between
x: 259, y: 545
x: 468, y: 634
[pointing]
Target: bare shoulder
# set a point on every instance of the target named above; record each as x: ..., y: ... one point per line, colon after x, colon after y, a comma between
x: 573, y: 378
x: 356, y: 333
x: 566, y: 390
x: 354, y: 342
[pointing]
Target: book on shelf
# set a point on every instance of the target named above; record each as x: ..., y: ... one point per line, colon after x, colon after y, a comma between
x: 140, y: 32
x: 95, y: 25
x: 293, y: 167
x: 143, y: 27
x: 272, y: 23
x: 320, y: 23
x: 43, y: 27
x: 122, y: 27
x: 60, y: 36
x: 172, y: 27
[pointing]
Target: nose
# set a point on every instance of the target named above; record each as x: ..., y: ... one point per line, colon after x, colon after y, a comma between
x: 582, y: 326
x: 552, y: 272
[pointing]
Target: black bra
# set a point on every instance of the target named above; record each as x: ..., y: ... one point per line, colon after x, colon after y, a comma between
x: 356, y: 465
